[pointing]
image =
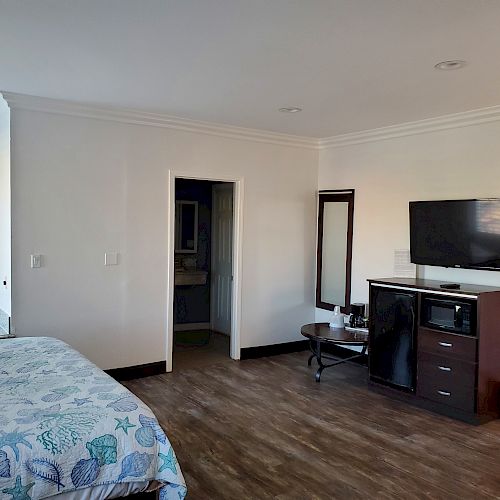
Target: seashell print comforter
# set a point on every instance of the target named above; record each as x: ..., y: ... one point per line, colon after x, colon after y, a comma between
x: 65, y: 425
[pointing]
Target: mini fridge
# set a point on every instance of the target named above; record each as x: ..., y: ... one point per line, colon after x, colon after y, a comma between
x: 392, y: 345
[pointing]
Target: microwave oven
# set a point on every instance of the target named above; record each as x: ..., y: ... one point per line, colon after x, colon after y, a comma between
x: 456, y: 316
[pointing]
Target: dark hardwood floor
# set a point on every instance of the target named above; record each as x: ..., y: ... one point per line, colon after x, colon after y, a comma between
x: 187, y: 356
x: 264, y: 428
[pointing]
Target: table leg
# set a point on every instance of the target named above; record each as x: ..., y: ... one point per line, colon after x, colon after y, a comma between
x: 320, y: 363
x: 313, y: 355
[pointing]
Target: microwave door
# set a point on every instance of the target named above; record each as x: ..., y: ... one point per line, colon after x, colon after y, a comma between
x: 442, y: 316
x: 448, y: 315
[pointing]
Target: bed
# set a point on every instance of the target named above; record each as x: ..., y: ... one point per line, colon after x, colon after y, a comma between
x: 70, y: 431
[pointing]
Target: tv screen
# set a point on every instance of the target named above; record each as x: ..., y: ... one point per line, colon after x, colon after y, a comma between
x: 456, y: 233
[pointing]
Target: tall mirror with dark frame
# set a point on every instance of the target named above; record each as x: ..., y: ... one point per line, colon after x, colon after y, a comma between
x: 335, y: 222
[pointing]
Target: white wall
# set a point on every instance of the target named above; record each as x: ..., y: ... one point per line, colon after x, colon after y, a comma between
x: 83, y: 186
x: 449, y: 164
x: 5, y: 272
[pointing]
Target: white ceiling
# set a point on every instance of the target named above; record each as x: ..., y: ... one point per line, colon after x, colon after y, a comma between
x: 350, y: 64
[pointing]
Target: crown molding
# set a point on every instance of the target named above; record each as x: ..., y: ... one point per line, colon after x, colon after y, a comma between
x: 135, y: 117
x: 455, y: 120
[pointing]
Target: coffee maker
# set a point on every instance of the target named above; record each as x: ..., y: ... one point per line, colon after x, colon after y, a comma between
x: 357, y: 319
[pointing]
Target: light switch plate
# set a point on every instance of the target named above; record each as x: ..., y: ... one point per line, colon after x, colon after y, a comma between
x: 36, y: 261
x: 111, y: 258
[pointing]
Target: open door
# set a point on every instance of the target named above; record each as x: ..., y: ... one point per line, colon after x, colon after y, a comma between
x: 222, y: 257
x: 226, y: 260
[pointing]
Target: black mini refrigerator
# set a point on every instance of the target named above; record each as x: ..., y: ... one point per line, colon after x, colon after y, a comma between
x: 392, y: 341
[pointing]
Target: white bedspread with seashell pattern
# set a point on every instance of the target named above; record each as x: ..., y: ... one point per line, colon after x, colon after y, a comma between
x: 66, y: 426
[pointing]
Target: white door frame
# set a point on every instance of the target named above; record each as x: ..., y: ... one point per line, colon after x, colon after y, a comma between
x: 237, y: 259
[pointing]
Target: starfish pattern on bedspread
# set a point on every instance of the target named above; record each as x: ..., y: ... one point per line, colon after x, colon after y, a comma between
x: 124, y: 424
x: 169, y: 461
x: 19, y: 492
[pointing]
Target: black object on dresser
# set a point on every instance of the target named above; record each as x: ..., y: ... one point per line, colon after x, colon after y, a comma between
x: 437, y: 348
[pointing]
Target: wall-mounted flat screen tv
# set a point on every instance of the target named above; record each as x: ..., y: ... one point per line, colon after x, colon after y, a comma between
x: 456, y: 233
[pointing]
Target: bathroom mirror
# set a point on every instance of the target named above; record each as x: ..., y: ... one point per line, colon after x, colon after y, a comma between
x: 186, y: 226
x: 335, y: 218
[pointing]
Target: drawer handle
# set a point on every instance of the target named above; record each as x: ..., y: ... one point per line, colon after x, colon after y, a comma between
x: 444, y: 393
x: 445, y: 344
x: 445, y: 368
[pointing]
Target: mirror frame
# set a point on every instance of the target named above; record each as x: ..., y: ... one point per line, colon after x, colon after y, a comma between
x: 328, y: 196
x: 178, y: 226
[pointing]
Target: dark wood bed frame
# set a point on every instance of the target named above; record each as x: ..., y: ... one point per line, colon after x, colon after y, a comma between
x: 152, y: 495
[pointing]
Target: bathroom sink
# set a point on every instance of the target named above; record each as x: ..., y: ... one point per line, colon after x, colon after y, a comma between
x: 190, y: 277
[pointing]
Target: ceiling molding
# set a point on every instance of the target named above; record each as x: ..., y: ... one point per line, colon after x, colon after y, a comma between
x: 135, y: 117
x: 455, y: 120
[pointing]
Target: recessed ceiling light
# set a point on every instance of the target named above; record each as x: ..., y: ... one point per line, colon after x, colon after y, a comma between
x: 292, y: 109
x: 448, y: 65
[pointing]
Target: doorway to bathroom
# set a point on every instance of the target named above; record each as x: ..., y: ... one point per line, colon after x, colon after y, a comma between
x: 203, y: 272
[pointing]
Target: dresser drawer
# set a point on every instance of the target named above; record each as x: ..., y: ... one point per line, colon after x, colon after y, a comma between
x: 451, y: 373
x: 449, y: 394
x: 448, y: 345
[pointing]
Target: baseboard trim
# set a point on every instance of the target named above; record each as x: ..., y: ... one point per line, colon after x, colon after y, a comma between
x: 273, y: 349
x: 297, y: 346
x: 137, y: 371
x: 185, y: 327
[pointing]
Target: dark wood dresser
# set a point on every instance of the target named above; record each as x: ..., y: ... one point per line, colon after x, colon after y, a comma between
x: 450, y: 368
